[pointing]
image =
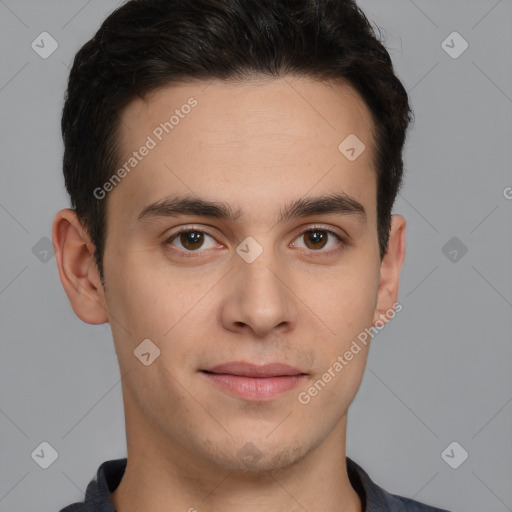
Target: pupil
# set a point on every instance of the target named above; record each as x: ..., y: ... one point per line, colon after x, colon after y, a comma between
x: 316, y: 237
x: 191, y: 238
x: 194, y: 236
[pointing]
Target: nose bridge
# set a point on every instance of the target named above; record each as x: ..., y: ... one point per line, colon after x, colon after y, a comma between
x: 256, y: 257
x: 260, y: 277
x: 260, y: 298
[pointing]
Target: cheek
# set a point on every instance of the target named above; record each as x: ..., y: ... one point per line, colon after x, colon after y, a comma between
x: 134, y: 302
x: 347, y: 309
x: 148, y: 299
x: 345, y: 299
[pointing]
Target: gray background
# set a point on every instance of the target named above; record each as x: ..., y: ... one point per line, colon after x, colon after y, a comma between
x: 439, y: 372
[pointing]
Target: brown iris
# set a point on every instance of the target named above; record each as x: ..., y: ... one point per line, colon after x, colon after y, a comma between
x: 192, y: 239
x: 314, y: 237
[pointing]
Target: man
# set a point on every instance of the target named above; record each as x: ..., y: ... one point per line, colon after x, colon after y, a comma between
x: 232, y: 167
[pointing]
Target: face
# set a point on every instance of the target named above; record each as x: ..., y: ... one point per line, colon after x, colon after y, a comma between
x: 247, y: 279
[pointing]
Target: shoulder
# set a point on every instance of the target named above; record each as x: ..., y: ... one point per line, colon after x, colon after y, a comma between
x: 97, y: 496
x: 377, y: 499
x: 403, y: 504
x: 74, y: 507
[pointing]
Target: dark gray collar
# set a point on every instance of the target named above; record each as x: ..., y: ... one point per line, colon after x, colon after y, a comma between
x: 373, y: 497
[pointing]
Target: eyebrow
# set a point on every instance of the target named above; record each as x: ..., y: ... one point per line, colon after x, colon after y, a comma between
x: 175, y: 206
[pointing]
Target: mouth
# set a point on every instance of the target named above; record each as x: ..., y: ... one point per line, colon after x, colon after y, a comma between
x: 254, y: 382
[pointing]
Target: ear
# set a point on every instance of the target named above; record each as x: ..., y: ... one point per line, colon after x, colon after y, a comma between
x: 390, y: 271
x: 78, y: 273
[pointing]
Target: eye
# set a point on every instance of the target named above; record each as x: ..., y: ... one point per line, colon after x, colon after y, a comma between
x: 317, y: 238
x: 191, y: 240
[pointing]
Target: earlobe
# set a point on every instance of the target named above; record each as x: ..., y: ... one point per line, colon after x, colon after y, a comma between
x: 390, y: 271
x: 74, y: 253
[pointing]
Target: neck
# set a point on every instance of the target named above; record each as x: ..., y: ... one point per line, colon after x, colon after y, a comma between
x: 165, y: 476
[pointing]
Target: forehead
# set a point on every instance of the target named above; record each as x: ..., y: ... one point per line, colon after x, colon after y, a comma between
x: 267, y: 141
x: 304, y: 107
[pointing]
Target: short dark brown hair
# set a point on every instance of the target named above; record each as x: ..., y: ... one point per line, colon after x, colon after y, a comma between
x: 147, y: 44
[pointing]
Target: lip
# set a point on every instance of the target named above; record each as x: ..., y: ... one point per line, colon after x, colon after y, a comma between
x: 244, y: 369
x: 255, y: 382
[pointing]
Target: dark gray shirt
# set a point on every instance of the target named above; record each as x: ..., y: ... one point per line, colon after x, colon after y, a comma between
x: 373, y: 497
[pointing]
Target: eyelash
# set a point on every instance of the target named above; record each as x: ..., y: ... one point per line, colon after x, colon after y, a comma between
x: 196, y: 253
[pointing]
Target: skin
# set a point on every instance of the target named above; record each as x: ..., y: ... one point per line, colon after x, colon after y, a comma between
x: 256, y: 145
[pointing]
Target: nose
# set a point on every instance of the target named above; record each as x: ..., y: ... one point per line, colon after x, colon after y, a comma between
x: 259, y: 298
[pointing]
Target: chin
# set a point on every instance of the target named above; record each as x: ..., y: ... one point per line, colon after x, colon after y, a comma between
x: 254, y: 457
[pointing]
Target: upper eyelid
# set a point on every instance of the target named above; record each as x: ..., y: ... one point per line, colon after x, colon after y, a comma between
x: 311, y: 227
x: 186, y: 229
